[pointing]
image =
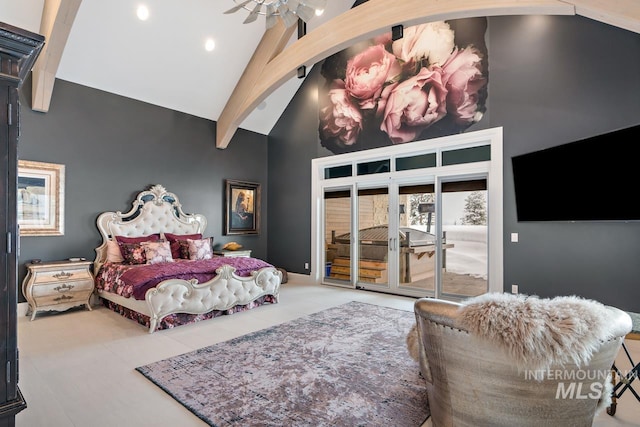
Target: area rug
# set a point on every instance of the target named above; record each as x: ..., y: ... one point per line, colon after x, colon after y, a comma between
x: 344, y: 366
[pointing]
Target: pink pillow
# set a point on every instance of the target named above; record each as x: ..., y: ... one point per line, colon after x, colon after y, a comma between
x: 175, y: 239
x: 113, y: 252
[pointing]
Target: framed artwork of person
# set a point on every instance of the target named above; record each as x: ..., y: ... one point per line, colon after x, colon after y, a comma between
x: 242, y: 207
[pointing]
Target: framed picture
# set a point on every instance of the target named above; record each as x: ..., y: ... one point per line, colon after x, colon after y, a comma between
x: 40, y: 198
x: 242, y: 207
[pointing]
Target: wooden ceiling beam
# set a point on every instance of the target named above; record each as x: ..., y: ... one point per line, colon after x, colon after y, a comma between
x: 619, y: 13
x: 57, y: 20
x: 376, y: 16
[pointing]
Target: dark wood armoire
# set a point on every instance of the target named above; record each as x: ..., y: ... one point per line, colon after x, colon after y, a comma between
x: 18, y: 51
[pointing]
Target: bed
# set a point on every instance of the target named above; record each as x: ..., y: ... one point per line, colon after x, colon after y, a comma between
x: 162, y: 290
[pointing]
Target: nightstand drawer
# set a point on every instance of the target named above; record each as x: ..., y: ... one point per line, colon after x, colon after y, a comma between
x: 63, y: 275
x: 63, y: 298
x: 41, y: 290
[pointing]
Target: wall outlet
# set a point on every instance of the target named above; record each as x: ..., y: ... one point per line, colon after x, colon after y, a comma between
x: 306, y: 265
x: 514, y: 237
x: 514, y: 289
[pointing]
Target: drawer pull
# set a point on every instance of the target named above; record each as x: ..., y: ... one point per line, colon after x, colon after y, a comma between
x: 63, y: 288
x: 62, y: 298
x: 62, y: 275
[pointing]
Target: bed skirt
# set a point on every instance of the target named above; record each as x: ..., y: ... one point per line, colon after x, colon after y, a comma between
x: 178, y: 319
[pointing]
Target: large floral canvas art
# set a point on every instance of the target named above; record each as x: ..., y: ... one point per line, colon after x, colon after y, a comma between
x: 431, y: 82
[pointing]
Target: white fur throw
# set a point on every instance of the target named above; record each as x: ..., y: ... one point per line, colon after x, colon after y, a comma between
x: 538, y: 332
x: 413, y: 343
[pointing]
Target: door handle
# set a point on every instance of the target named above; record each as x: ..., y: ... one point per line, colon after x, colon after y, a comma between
x: 393, y: 244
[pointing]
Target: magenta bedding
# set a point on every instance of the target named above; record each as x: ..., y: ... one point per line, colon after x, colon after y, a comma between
x: 134, y: 280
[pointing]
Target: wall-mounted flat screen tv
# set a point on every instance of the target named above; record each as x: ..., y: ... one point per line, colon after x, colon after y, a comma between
x: 594, y: 179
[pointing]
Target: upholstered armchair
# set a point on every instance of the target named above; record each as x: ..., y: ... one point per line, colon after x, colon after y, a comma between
x: 486, y: 368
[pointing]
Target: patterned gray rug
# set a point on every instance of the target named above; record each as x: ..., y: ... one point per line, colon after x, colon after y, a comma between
x: 345, y: 366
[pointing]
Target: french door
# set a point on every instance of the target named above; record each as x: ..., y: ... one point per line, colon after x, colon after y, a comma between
x: 425, y: 222
x: 400, y: 242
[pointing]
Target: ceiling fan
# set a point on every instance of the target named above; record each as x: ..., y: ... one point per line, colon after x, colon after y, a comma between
x: 288, y: 10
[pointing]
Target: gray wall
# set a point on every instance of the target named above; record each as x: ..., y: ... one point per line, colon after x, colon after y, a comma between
x: 114, y: 147
x: 552, y: 80
x: 293, y: 142
x: 580, y: 78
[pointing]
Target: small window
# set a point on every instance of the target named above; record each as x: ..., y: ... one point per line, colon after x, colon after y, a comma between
x: 466, y: 155
x: 338, y: 172
x: 378, y: 166
x: 416, y: 162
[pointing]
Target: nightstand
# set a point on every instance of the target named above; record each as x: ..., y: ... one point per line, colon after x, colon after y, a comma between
x: 57, y: 285
x: 240, y: 253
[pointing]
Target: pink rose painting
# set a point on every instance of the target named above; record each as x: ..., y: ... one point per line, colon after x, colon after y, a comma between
x: 341, y: 118
x: 367, y: 72
x: 432, y: 82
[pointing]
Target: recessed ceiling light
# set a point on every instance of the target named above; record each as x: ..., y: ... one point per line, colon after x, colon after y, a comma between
x: 209, y: 45
x: 142, y: 12
x: 319, y: 12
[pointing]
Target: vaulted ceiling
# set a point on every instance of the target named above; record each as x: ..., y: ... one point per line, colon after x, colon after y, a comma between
x: 162, y: 61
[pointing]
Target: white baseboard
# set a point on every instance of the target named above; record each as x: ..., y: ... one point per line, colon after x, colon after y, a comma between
x: 22, y: 308
x: 303, y: 279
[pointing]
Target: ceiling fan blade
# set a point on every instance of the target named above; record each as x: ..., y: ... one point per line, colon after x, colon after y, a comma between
x: 305, y: 12
x: 289, y: 18
x: 287, y: 15
x: 272, y: 18
x: 238, y: 6
x: 254, y: 14
x: 314, y: 4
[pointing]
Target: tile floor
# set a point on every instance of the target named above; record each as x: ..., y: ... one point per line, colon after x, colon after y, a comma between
x: 77, y: 368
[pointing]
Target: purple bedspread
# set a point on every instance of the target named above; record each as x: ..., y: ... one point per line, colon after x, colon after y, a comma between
x: 145, y: 277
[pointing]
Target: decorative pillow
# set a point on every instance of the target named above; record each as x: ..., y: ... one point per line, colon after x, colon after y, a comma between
x: 200, y: 249
x: 113, y: 252
x: 157, y: 252
x: 175, y: 239
x: 149, y: 238
x: 183, y: 249
x: 133, y: 253
x: 135, y: 240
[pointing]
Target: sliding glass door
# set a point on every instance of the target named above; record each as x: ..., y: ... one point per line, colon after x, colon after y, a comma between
x: 337, y: 226
x: 408, y: 243
x: 417, y: 238
x: 373, y: 237
x: 394, y: 242
x: 465, y: 217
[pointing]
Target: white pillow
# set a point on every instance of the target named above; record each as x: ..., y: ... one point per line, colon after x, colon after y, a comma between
x: 200, y: 249
x: 157, y: 252
x: 113, y: 251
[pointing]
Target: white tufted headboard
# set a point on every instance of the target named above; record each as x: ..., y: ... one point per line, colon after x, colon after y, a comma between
x: 154, y: 211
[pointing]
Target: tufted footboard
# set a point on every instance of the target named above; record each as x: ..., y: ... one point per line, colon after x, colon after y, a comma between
x: 224, y: 291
